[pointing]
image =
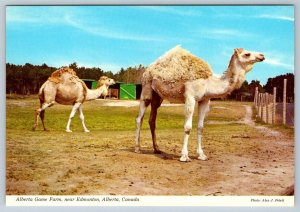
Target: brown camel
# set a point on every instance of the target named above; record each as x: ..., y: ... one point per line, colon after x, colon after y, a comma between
x: 65, y: 88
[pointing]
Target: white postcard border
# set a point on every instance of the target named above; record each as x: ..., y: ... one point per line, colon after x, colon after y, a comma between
x: 219, y: 201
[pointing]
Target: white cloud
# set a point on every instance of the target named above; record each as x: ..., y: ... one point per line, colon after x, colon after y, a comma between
x: 61, y: 16
x: 262, y: 16
x: 276, y: 17
x: 279, y: 63
x: 105, y: 32
x: 34, y: 15
x: 220, y: 33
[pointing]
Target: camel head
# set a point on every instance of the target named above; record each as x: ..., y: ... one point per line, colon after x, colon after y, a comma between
x: 105, y: 81
x: 247, y: 59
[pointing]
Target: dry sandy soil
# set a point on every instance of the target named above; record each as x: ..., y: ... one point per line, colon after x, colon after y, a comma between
x: 255, y: 161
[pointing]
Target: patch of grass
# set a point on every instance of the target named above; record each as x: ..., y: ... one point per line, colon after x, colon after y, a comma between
x: 20, y: 116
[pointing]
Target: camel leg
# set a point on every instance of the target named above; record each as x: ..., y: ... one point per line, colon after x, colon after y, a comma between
x: 155, y: 104
x: 189, y: 111
x: 203, y: 109
x: 139, y: 121
x: 42, y: 116
x: 74, y: 110
x: 36, y: 122
x: 40, y: 113
x: 82, y: 119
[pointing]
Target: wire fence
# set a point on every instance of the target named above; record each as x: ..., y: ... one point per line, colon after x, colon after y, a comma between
x: 272, y: 112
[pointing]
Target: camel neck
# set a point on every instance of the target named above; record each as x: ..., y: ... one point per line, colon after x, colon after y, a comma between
x: 235, y: 74
x: 233, y: 78
x: 94, y: 94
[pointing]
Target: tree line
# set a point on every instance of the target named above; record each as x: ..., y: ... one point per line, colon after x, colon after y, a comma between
x: 27, y: 79
x: 278, y: 83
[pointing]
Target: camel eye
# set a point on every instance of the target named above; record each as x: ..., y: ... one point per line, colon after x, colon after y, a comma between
x: 247, y: 55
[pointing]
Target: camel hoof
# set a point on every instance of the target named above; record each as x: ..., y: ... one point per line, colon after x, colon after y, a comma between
x: 202, y: 157
x: 137, y: 150
x: 87, y: 131
x: 68, y: 131
x: 185, y: 158
x: 33, y: 128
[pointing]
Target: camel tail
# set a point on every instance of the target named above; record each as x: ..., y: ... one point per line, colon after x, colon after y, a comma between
x: 41, y: 94
x: 37, y: 111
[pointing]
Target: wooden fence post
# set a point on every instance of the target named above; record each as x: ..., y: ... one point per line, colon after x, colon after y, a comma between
x: 259, y: 104
x: 270, y: 100
x: 263, y: 115
x: 265, y: 104
x: 256, y: 97
x: 267, y: 107
x: 274, y: 106
x: 284, y: 102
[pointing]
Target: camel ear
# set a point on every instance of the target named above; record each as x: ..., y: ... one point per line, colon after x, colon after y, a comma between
x: 238, y: 50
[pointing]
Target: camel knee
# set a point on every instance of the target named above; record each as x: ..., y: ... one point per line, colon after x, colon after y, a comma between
x: 200, y: 130
x: 72, y: 114
x: 147, y: 102
x: 38, y: 111
x: 187, y: 131
x: 187, y: 128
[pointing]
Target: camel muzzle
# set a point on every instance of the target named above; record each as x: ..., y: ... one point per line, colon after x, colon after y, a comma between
x: 260, y: 58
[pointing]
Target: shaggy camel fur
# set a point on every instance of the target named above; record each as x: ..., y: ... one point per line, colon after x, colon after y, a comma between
x: 179, y: 76
x: 65, y: 88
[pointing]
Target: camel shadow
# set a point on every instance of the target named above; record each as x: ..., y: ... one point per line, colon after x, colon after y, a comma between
x: 162, y: 155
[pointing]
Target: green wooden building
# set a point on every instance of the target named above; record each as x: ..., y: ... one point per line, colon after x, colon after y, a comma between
x: 90, y: 83
x: 127, y: 91
x: 120, y: 90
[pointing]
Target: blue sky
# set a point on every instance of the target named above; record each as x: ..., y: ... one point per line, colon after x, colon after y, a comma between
x: 111, y: 37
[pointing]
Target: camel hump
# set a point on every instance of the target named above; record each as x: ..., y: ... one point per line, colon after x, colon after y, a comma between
x: 66, y: 76
x: 178, y: 65
x: 59, y: 75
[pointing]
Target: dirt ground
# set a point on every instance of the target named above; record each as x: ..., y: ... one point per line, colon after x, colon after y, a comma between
x: 255, y: 161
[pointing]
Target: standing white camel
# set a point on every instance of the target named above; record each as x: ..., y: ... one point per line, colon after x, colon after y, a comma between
x: 65, y: 88
x: 180, y: 76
